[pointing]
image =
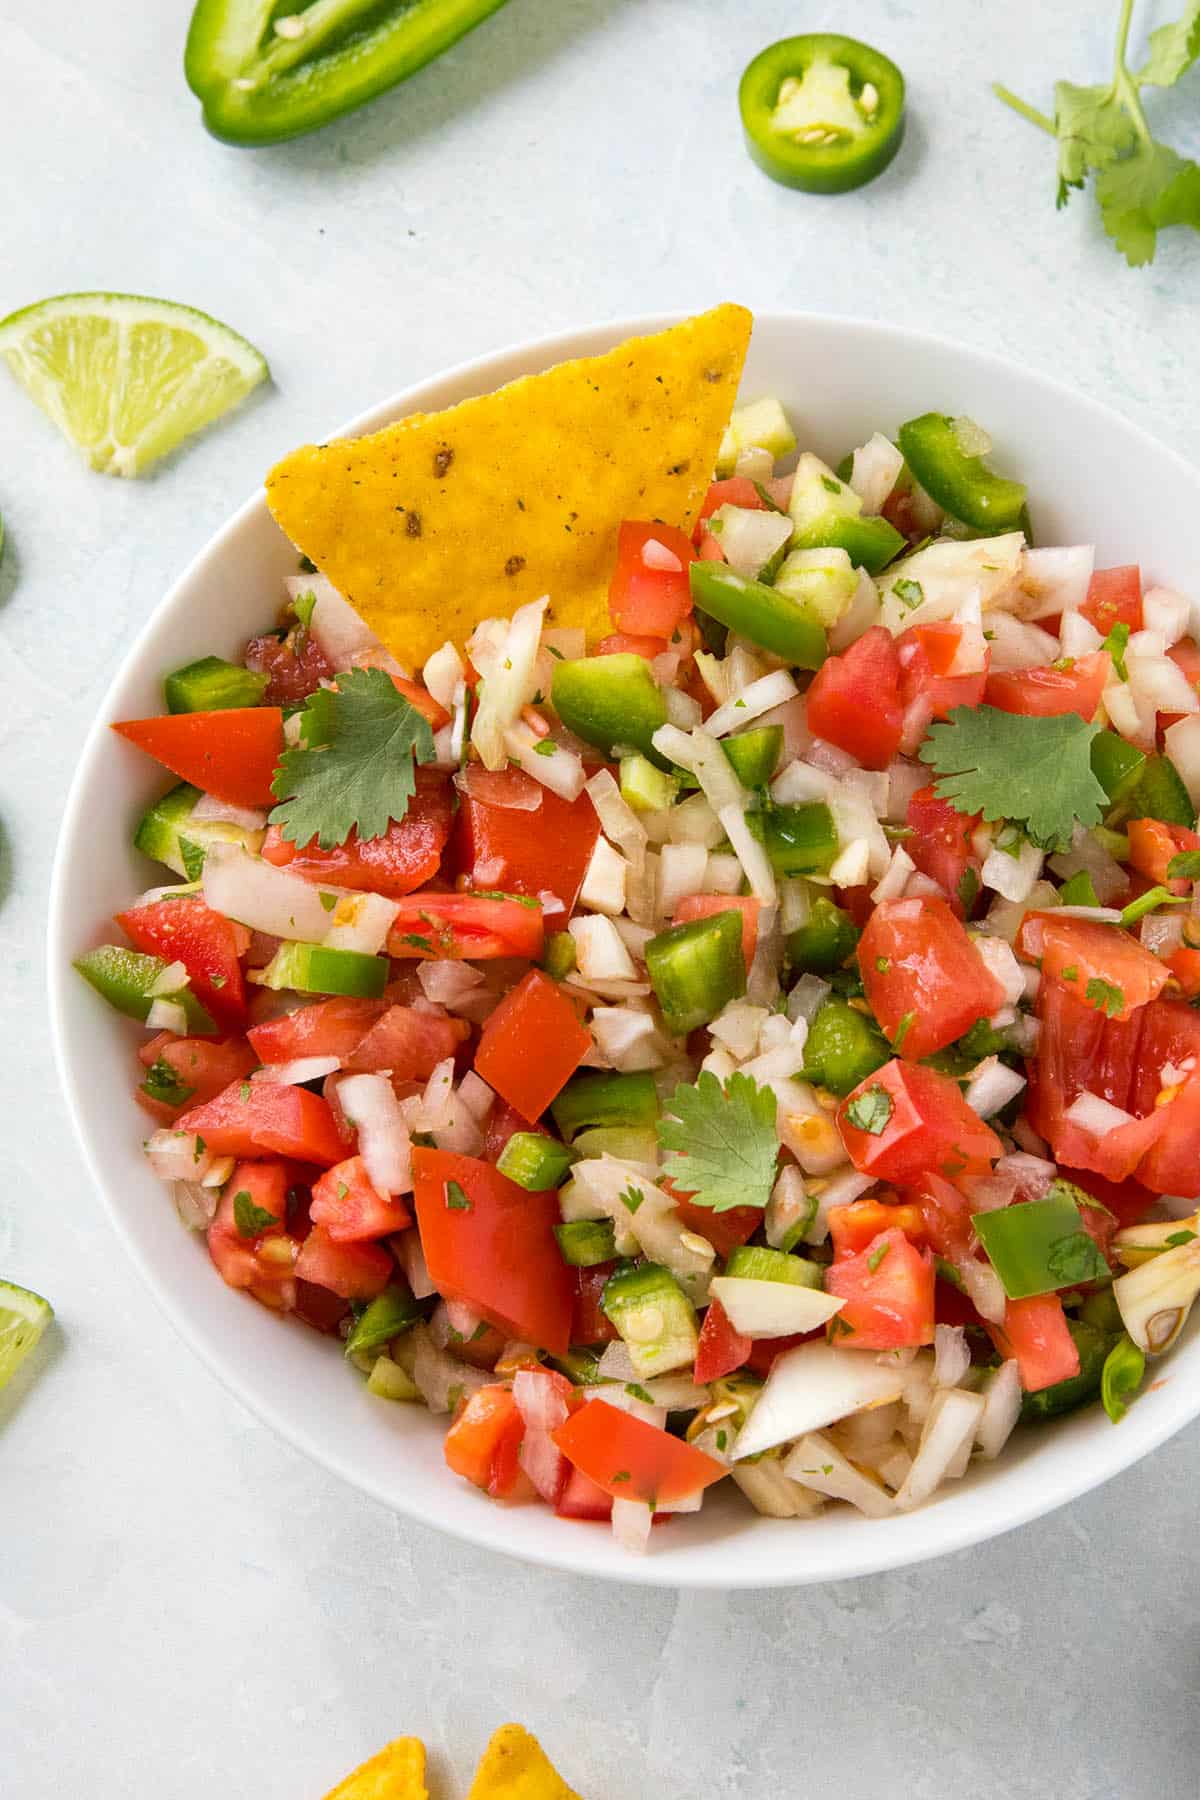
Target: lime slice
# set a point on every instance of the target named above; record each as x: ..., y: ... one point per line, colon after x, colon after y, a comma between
x: 23, y: 1318
x: 125, y: 378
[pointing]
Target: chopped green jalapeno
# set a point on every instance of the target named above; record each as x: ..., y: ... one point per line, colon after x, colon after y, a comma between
x: 799, y: 840
x: 125, y: 979
x: 534, y: 1161
x: 843, y: 1047
x: 1079, y: 891
x: 610, y: 700
x: 755, y: 611
x: 937, y: 450
x: 320, y: 969
x: 1093, y: 1346
x: 585, y: 1242
x: 754, y: 1262
x: 754, y: 754
x: 1037, y: 1246
x: 697, y: 969
x: 823, y: 942
x: 1123, y: 1373
x: 384, y: 1318
x: 608, y: 1101
x: 822, y: 112
x: 1160, y: 794
x: 212, y: 685
x: 1117, y: 765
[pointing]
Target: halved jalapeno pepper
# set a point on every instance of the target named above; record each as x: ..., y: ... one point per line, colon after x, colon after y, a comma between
x: 822, y: 112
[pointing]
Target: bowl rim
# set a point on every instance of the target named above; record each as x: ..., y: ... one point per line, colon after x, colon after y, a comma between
x: 708, y: 1566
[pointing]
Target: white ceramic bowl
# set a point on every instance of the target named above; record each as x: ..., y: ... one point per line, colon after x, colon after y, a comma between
x: 1093, y: 477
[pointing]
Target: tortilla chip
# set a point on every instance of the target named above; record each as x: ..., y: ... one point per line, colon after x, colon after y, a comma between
x: 397, y: 1773
x: 448, y: 518
x: 515, y: 1767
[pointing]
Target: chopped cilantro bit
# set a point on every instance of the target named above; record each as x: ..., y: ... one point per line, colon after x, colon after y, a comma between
x: 1179, y: 1237
x: 1116, y: 643
x: 163, y: 1084
x: 830, y: 485
x: 1071, y: 972
x: 303, y: 606
x: 639, y: 1393
x: 870, y: 1111
x: 1105, y: 996
x: 251, y: 1220
x: 1036, y: 771
x: 328, y: 901
x: 908, y: 592
x: 632, y: 1198
x: 1184, y: 866
x: 620, y: 1475
x: 721, y: 1142
x: 456, y: 1200
x: 545, y: 747
x: 1076, y: 1258
x: 877, y: 1256
x: 968, y: 889
x: 244, y: 1092
x: 883, y: 964
x: 417, y: 942
x: 903, y: 1028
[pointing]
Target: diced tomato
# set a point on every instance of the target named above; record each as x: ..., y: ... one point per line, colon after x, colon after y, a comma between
x: 926, y: 655
x: 854, y: 700
x: 735, y: 490
x: 484, y: 1442
x: 347, y: 1205
x: 423, y: 700
x: 582, y: 1499
x: 1171, y: 1164
x: 503, y: 1122
x: 498, y: 1250
x: 1186, y: 654
x: 724, y: 1230
x: 721, y: 1349
x: 408, y: 1043
x: 320, y: 1308
x: 183, y: 929
x: 852, y: 1228
x: 623, y: 643
x: 467, y: 927
x: 918, y: 964
x: 631, y: 1460
x: 1100, y: 964
x: 545, y: 1400
x: 764, y: 1352
x: 296, y: 665
x: 919, y: 1121
x: 590, y: 1324
x: 253, y: 1118
x: 1152, y: 844
x: 1040, y: 693
x: 327, y: 1028
x: 649, y: 594
x: 532, y: 1044
x: 703, y: 906
x: 1184, y: 965
x: 230, y: 754
x: 206, y: 1065
x: 498, y: 844
x: 888, y: 1290
x: 1170, y: 1033
x: 1114, y: 597
x: 1128, y: 1201
x: 408, y: 854
x: 263, y: 1262
x: 1078, y: 1048
x: 941, y: 847
x: 1035, y: 1332
x: 353, y: 1270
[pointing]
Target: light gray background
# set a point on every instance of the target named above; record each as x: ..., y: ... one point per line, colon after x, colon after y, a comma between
x: 187, y: 1608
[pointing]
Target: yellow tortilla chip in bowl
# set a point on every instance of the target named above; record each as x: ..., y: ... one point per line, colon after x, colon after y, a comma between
x: 515, y: 1767
x: 447, y: 518
x: 397, y: 1772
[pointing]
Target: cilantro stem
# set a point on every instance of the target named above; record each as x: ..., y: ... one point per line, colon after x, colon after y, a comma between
x: 1124, y: 85
x: 1023, y: 107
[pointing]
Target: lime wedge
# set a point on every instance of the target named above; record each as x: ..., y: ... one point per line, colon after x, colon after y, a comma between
x: 23, y: 1318
x: 124, y: 378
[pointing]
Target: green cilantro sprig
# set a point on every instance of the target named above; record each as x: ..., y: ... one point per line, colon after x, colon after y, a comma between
x: 353, y: 769
x: 1034, y: 771
x: 720, y: 1141
x: 1142, y: 186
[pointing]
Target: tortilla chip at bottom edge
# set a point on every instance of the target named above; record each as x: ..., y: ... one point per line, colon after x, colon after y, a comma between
x: 447, y: 518
x: 515, y: 1767
x: 396, y: 1773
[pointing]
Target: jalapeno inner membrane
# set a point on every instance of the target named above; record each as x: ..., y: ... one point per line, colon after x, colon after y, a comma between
x: 822, y: 112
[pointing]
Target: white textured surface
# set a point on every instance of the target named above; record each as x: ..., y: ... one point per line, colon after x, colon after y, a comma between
x: 186, y: 1607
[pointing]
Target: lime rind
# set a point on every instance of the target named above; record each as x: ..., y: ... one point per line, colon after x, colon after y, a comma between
x: 126, y: 378
x: 24, y: 1316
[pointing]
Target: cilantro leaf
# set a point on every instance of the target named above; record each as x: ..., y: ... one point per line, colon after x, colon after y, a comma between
x: 720, y: 1141
x: 1105, y: 997
x: 1173, y: 49
x: 354, y: 770
x: 1143, y: 192
x: 251, y: 1220
x: 1036, y: 771
x: 304, y: 605
x: 1093, y: 131
x: 1076, y: 1258
x: 1184, y: 866
x: 870, y: 1111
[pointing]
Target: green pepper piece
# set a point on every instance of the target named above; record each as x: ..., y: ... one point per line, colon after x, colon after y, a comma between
x: 754, y: 754
x: 534, y: 1161
x: 1116, y: 765
x: 387, y: 1315
x: 1101, y: 1310
x: 212, y: 685
x: 799, y: 840
x: 632, y: 1143
x: 601, y: 1099
x: 645, y: 788
x: 822, y: 112
x: 610, y: 700
x: 317, y: 969
x: 585, y: 1242
x: 125, y: 977
x: 1050, y: 1403
x: 697, y: 969
x: 1079, y: 891
x: 558, y: 957
x: 754, y: 1262
x: 870, y: 542
x: 1160, y: 794
x: 962, y: 484
x: 260, y: 85
x: 843, y: 1047
x: 823, y: 942
x: 1036, y: 1246
x: 1123, y: 1373
x: 757, y: 612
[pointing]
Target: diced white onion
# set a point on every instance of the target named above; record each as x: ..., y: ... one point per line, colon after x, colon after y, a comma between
x: 818, y: 1464
x: 1161, y: 683
x: 682, y: 868
x: 807, y: 998
x: 862, y: 612
x: 195, y: 1204
x: 629, y: 1040
x: 603, y: 888
x: 167, y: 1015
x: 722, y: 874
x: 853, y: 866
x: 951, y: 1355
x: 1182, y: 744
x: 361, y: 922
x: 1013, y: 876
x: 750, y: 853
x: 1078, y: 636
x: 1056, y: 579
x: 338, y: 630
x: 810, y: 1387
x: 998, y: 958
x: 1162, y: 933
x: 300, y: 1070
x: 618, y: 821
x: 211, y: 810
x: 751, y: 703
x: 445, y: 982
x: 683, y: 709
x: 875, y: 471
x: 177, y: 1155
x: 891, y: 885
x: 1165, y: 611
x: 264, y: 897
x: 561, y: 771
x: 369, y: 1103
x: 1086, y: 856
x: 1001, y: 1409
x: 1095, y: 1115
x: 599, y: 952
x: 992, y: 1086
x: 952, y: 1423
x: 507, y: 664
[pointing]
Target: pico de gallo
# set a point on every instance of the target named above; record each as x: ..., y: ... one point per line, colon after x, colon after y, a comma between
x: 763, y: 1048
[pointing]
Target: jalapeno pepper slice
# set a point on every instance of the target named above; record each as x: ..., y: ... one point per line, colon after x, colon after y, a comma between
x: 937, y: 450
x: 822, y: 112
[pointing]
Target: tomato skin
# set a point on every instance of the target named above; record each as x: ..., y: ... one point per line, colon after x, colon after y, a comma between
x: 888, y: 1290
x: 183, y: 929
x: 854, y: 700
x: 543, y: 851
x: 466, y: 927
x: 1078, y: 1048
x: 207, y: 1065
x: 855, y: 1226
x: 1046, y: 692
x: 408, y: 1043
x: 582, y: 1499
x: 484, y: 1442
x: 926, y: 654
x: 643, y: 600
x: 721, y: 1349
x: 1152, y: 844
x: 327, y: 1028
x: 1171, y: 1165
x: 624, y: 643
x: 263, y: 1264
x: 941, y: 844
x: 499, y: 1253
x: 917, y: 962
x: 704, y: 906
x: 532, y: 1044
x: 355, y: 1271
x: 406, y: 856
x: 230, y: 754
x: 930, y: 1127
x: 650, y: 1464
x: 347, y: 1206
x: 296, y: 665
x: 1035, y: 1333
x: 1078, y: 952
x: 1114, y: 597
x: 1184, y: 965
x: 256, y: 1118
